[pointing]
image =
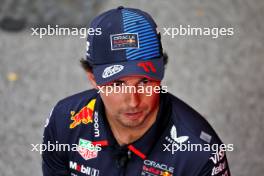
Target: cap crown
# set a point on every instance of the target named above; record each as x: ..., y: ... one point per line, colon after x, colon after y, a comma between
x: 126, y: 34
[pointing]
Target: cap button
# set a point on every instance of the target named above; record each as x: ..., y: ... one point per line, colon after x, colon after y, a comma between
x: 120, y: 7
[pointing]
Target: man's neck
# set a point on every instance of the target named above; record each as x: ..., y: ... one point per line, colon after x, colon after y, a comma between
x: 127, y: 135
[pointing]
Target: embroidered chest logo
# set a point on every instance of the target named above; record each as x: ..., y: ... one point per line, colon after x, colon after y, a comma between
x: 153, y: 168
x: 85, y: 115
x: 87, y: 149
x: 90, y: 171
x: 174, y: 138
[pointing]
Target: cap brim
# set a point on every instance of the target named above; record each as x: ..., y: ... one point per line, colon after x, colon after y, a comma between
x: 151, y: 68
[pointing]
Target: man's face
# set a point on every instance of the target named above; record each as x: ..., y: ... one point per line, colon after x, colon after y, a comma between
x: 132, y: 108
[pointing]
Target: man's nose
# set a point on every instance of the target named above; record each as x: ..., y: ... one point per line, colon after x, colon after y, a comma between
x: 133, y: 99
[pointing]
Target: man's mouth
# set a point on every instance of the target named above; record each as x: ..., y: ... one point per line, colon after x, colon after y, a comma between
x: 133, y: 115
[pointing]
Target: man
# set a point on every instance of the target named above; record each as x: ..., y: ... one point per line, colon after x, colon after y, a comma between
x: 128, y: 124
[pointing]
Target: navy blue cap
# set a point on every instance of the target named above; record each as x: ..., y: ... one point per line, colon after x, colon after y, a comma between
x: 129, y: 44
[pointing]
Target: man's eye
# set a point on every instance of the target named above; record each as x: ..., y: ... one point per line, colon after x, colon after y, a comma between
x: 144, y: 81
x: 118, y: 84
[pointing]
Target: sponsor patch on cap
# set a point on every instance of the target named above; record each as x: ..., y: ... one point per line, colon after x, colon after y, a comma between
x: 124, y: 41
x: 112, y: 70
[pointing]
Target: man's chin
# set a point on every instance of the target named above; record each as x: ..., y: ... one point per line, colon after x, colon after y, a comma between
x: 132, y: 123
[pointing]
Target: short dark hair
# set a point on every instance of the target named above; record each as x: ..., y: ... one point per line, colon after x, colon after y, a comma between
x: 89, y: 68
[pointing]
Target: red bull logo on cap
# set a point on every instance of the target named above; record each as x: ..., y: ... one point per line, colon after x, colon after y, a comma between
x: 85, y: 115
x: 124, y: 41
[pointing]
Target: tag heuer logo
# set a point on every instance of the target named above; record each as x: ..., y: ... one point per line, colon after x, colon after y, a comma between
x: 87, y: 150
x: 112, y: 70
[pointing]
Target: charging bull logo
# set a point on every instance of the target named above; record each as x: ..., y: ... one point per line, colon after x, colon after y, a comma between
x: 85, y: 115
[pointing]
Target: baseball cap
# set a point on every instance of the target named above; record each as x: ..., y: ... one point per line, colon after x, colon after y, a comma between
x: 129, y: 45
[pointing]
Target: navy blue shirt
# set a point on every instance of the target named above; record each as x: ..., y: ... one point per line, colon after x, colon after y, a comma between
x: 179, y: 143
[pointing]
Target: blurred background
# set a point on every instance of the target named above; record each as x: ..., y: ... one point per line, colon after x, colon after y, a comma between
x: 221, y: 78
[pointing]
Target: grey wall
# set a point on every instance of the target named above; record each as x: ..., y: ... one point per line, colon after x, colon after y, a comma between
x: 221, y: 78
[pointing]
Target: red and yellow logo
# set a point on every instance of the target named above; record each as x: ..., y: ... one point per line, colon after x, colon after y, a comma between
x: 85, y: 115
x: 166, y: 174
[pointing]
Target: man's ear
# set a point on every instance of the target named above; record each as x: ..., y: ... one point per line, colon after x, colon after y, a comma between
x: 91, y: 78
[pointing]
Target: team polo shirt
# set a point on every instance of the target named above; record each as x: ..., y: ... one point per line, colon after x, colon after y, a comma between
x: 85, y: 145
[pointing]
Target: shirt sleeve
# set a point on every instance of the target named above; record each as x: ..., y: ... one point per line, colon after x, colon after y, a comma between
x: 217, y: 165
x: 54, y: 163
